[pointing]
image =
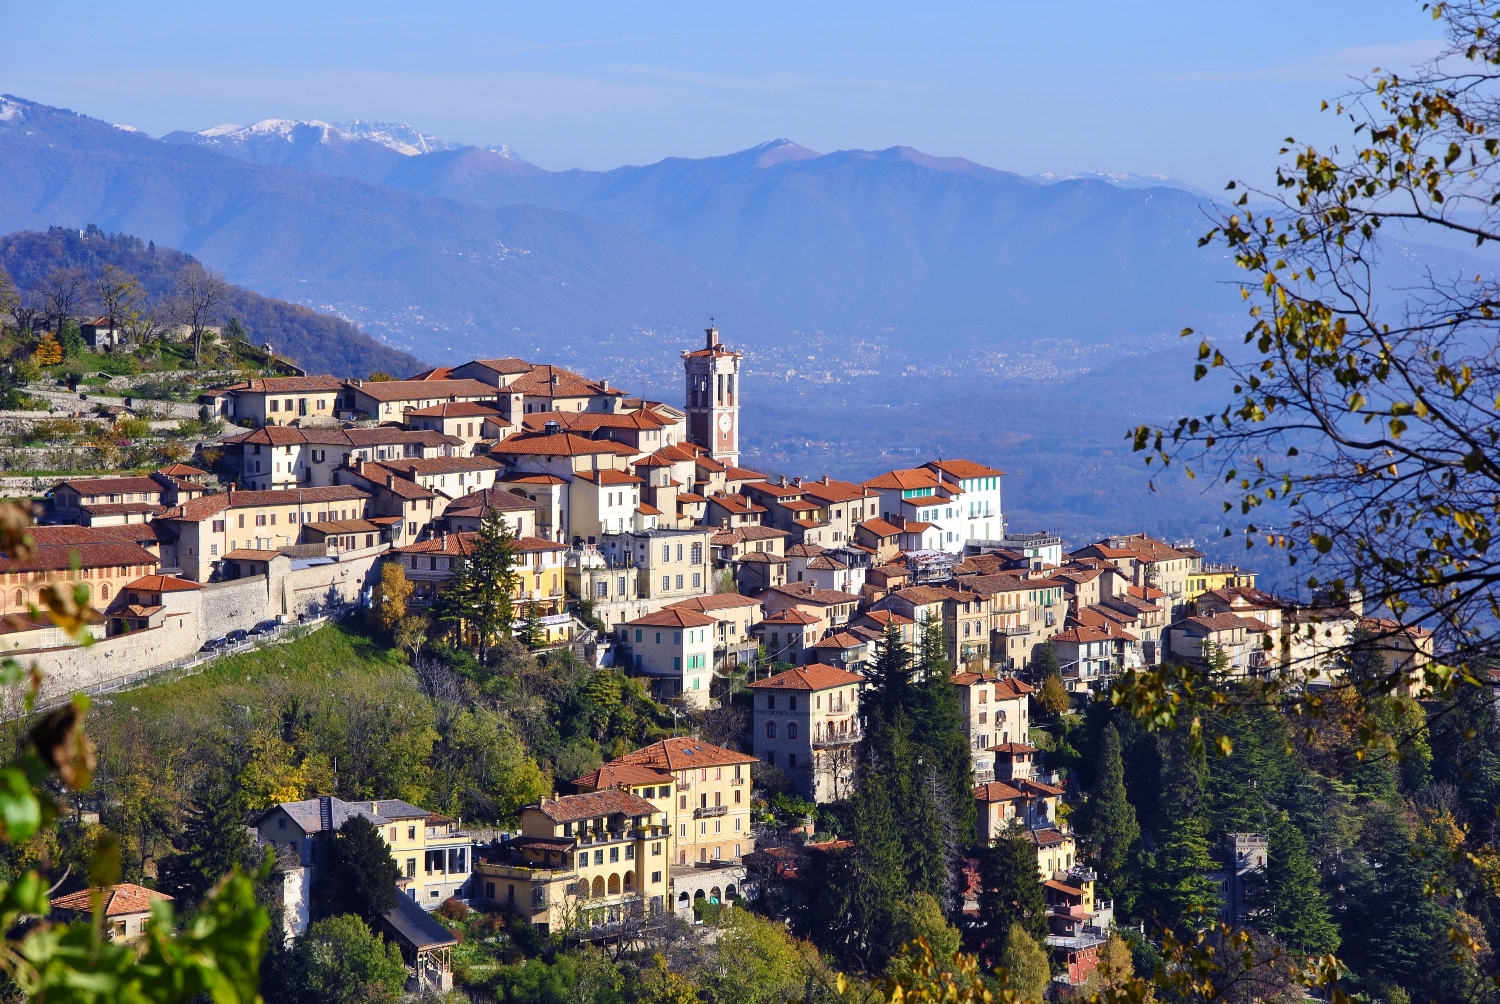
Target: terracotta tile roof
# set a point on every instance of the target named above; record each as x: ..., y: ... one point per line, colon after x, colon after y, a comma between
x: 59, y: 557
x: 672, y: 617
x: 443, y: 465
x: 1013, y: 689
x: 180, y: 471
x: 436, y: 373
x: 683, y: 753
x: 884, y: 617
x: 905, y: 480
x: 287, y: 385
x: 761, y: 557
x: 791, y: 615
x: 395, y: 481
x: 524, y: 478
x: 1014, y: 748
x: 808, y: 592
x: 538, y: 382
x: 880, y: 528
x: 840, y: 641
x: 275, y: 435
x: 455, y: 409
x: 771, y: 488
x: 1219, y: 622
x: 490, y: 498
x: 68, y: 533
x: 106, y: 486
x: 716, y: 601
x: 616, y: 775
x: 995, y: 791
x: 743, y: 474
x: 460, y: 544
x: 250, y: 554
x: 1149, y: 548
x: 648, y: 510
x: 814, y: 677
x: 592, y: 804
x: 829, y: 491
x: 688, y: 498
x: 391, y: 435
x: 592, y: 421
x: 562, y: 444
x: 507, y: 365
x: 422, y: 390
x: 737, y: 504
x: 122, y: 508
x: 1082, y: 634
x: 965, y: 469
x: 163, y: 584
x: 119, y: 900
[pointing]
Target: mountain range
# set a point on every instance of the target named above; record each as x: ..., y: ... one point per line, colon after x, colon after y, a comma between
x: 458, y: 251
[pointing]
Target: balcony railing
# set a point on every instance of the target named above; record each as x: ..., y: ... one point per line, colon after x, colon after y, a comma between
x: 704, y: 812
x: 837, y: 738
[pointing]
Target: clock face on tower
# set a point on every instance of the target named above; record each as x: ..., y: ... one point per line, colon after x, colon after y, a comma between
x: 725, y: 422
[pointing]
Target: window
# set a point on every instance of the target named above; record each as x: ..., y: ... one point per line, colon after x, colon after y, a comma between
x: 260, y: 519
x: 393, y: 834
x: 697, y: 581
x: 614, y: 854
x: 791, y: 702
x: 791, y: 730
x: 679, y: 582
x: 697, y: 553
x: 218, y: 526
x: 770, y: 730
x: 679, y: 552
x: 666, y: 582
x: 770, y: 701
x: 583, y: 859
x: 411, y: 833
x: 666, y: 552
x: 242, y: 521
x: 791, y: 761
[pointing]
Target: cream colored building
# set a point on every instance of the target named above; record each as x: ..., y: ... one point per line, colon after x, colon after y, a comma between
x: 711, y: 817
x: 582, y: 861
x: 806, y: 722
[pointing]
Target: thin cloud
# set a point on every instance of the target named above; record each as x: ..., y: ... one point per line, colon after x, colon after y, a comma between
x: 1326, y: 67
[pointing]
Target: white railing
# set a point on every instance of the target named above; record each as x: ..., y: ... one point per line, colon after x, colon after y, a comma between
x: 194, y: 663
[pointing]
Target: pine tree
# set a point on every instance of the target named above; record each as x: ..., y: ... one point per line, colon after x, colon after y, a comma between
x: 1108, y: 825
x: 939, y: 731
x: 1010, y: 895
x: 362, y: 870
x: 1296, y: 910
x: 480, y: 595
x: 213, y: 841
x: 889, y: 679
x: 878, y: 875
x: 1044, y: 662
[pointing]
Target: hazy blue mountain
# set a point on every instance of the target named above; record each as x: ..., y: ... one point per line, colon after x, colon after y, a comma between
x: 1123, y: 179
x: 444, y: 279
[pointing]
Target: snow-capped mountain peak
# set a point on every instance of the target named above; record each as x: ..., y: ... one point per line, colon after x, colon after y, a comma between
x: 398, y: 136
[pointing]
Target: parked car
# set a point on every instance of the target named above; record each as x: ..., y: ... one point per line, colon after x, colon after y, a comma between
x: 236, y: 636
x: 214, y: 644
x: 264, y: 627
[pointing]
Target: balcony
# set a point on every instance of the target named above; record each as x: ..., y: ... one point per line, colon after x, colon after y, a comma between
x: 837, y: 738
x: 707, y: 811
x: 737, y: 781
x: 1014, y: 631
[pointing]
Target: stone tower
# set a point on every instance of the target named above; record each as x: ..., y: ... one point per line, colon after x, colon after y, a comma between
x: 713, y: 402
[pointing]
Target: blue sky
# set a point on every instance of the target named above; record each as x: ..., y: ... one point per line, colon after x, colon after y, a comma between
x: 1201, y: 91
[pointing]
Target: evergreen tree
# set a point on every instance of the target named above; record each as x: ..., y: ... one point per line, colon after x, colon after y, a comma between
x: 888, y: 686
x: 939, y: 733
x: 1108, y: 825
x: 877, y: 877
x: 363, y: 873
x: 479, y: 597
x: 1295, y: 909
x: 213, y: 840
x: 1010, y: 895
x: 1183, y: 893
x: 1044, y: 662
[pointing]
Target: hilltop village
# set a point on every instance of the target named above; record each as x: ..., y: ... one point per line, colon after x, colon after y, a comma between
x: 640, y: 541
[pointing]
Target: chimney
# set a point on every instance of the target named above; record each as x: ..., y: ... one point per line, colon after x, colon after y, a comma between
x: 783, y: 481
x: 359, y: 466
x: 231, y: 490
x: 413, y: 470
x: 825, y: 479
x: 390, y: 481
x: 551, y: 428
x: 445, y: 540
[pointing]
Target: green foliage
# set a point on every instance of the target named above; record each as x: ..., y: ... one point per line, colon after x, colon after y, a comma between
x: 1052, y: 695
x: 1296, y: 910
x: 921, y: 916
x: 585, y: 976
x: 482, y: 771
x: 477, y: 601
x: 339, y: 960
x: 1107, y: 824
x: 1182, y: 893
x: 71, y: 340
x: 361, y: 870
x: 1010, y: 895
x: 213, y: 842
x: 1026, y: 964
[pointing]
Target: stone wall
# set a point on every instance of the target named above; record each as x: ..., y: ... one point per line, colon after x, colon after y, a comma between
x: 65, y: 670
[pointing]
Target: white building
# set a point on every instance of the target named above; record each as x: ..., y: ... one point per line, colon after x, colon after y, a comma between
x: 959, y: 499
x: 674, y: 648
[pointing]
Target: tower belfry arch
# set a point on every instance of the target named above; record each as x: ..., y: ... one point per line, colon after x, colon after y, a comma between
x: 713, y: 397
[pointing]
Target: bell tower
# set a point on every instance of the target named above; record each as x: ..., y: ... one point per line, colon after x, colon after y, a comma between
x: 713, y: 401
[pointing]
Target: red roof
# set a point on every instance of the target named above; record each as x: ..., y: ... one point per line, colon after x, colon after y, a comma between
x: 615, y: 775
x: 682, y: 753
x: 163, y: 584
x: 672, y: 617
x: 119, y: 900
x: 814, y: 677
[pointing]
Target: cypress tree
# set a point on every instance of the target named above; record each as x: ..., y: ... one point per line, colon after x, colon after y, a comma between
x: 1010, y: 895
x: 939, y: 730
x: 479, y: 595
x: 1109, y: 827
x: 1295, y: 909
x: 878, y: 874
x: 362, y: 870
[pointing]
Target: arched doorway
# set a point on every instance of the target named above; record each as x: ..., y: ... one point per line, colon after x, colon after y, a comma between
x: 614, y: 885
x: 598, y: 885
